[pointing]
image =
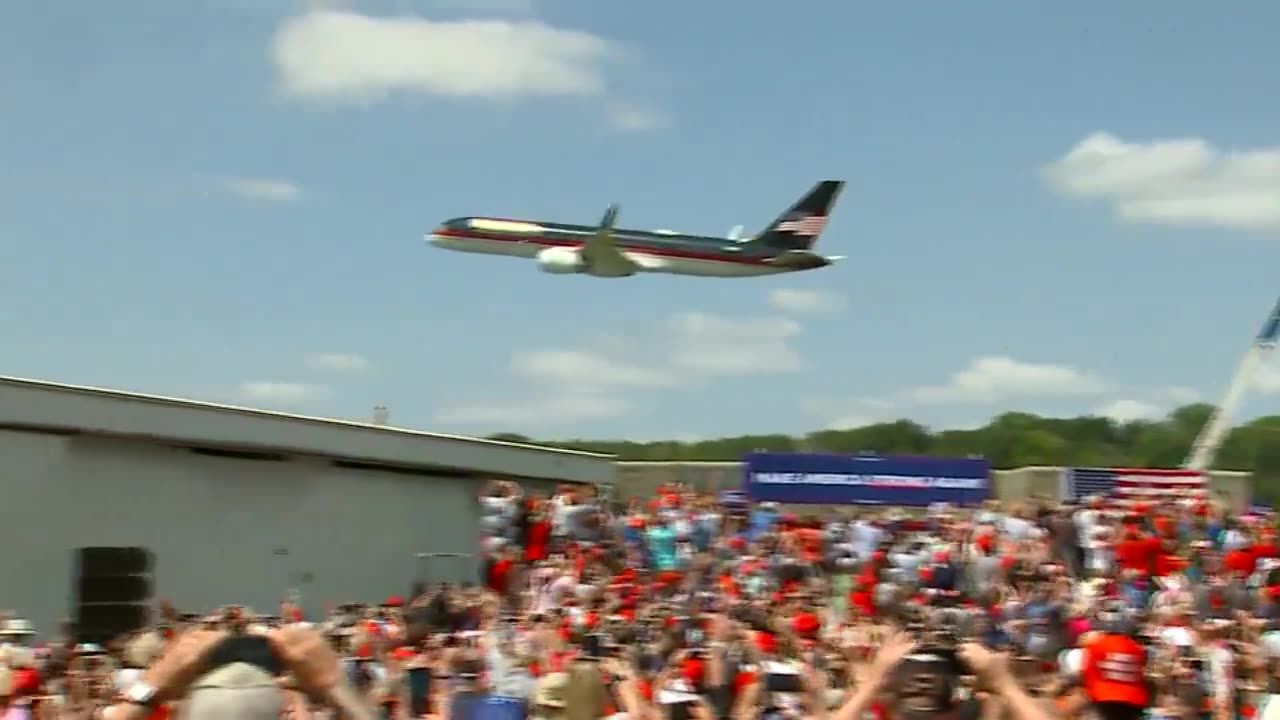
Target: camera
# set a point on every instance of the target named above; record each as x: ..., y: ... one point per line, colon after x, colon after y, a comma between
x: 593, y: 646
x: 926, y: 680
x: 254, y: 650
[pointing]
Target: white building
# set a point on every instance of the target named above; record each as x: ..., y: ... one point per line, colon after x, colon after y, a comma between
x: 239, y: 505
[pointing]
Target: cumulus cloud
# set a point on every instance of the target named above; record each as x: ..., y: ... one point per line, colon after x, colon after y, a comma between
x: 996, y: 384
x: 594, y: 381
x: 586, y: 368
x: 1180, y: 181
x: 842, y: 413
x: 280, y: 393
x: 790, y: 300
x: 991, y: 379
x: 714, y: 345
x: 343, y: 57
x: 347, y: 363
x: 1128, y: 410
x: 263, y: 189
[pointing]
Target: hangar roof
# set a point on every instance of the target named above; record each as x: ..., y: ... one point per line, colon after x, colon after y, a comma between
x: 42, y: 405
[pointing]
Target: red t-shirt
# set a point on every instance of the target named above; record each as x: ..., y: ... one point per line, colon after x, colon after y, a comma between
x: 1168, y: 564
x: 26, y: 682
x: 1264, y: 549
x: 535, y: 548
x: 500, y: 575
x: 1136, y: 552
x: 1240, y: 561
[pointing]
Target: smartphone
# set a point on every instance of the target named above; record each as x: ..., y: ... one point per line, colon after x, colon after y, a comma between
x: 694, y: 638
x: 593, y: 646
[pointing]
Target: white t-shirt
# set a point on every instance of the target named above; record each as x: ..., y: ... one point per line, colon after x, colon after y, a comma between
x: 553, y: 593
x: 1016, y: 529
x: 1177, y: 636
x: 1085, y: 521
x: 125, y: 678
x: 1070, y: 663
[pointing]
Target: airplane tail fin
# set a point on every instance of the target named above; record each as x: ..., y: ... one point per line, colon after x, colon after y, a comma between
x: 610, y: 217
x: 798, y: 228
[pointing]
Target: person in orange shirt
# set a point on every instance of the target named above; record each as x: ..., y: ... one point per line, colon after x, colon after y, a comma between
x: 809, y: 540
x: 1113, y: 666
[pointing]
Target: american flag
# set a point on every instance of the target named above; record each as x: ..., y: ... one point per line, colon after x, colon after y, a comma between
x: 811, y: 225
x: 1129, y: 485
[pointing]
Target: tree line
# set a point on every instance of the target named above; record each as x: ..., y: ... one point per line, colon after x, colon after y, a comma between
x: 1009, y: 440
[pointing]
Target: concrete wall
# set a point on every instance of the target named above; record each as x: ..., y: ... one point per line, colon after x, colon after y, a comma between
x: 1026, y: 482
x: 223, y: 530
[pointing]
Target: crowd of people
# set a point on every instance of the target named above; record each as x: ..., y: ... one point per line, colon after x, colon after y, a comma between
x: 686, y: 606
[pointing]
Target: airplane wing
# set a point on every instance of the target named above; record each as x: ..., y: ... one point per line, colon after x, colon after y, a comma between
x: 803, y: 260
x: 602, y: 254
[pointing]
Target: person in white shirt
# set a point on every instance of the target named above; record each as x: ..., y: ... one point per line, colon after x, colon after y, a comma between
x: 1098, y: 551
x: 559, y: 585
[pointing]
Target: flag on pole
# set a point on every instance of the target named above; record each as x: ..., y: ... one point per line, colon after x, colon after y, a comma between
x: 1131, y: 485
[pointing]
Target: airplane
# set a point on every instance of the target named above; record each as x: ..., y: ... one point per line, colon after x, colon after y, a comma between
x: 604, y: 250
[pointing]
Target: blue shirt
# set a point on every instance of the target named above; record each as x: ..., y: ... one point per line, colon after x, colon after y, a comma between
x: 760, y: 522
x: 662, y: 547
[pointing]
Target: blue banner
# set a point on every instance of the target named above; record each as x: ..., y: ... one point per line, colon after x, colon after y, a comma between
x: 865, y: 479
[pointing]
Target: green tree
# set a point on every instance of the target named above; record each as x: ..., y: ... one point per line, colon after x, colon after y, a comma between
x: 1012, y: 439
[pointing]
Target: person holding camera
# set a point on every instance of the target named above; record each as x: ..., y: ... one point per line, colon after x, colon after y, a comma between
x: 219, y: 675
x: 916, y: 683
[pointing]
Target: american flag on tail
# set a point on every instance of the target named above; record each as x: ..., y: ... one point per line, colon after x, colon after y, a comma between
x: 1125, y: 486
x: 802, y: 225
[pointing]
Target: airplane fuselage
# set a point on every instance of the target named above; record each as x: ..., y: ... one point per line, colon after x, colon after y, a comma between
x: 649, y: 251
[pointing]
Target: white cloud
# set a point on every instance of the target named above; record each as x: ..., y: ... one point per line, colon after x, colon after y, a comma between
x: 336, y: 362
x: 583, y: 368
x: 594, y: 382
x: 1129, y: 410
x: 714, y: 345
x: 264, y: 189
x: 843, y: 413
x: 558, y: 406
x: 805, y: 301
x: 280, y: 393
x: 990, y: 379
x: 635, y: 118
x: 1181, y: 181
x: 346, y: 57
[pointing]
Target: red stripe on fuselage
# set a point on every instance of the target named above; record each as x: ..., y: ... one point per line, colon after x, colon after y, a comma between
x: 557, y: 242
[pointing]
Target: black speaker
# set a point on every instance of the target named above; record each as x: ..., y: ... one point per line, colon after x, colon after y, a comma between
x: 113, y: 591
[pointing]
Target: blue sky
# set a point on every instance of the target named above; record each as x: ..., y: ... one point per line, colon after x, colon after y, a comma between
x: 1060, y: 210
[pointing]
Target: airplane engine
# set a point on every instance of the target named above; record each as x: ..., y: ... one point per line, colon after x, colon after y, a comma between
x: 561, y: 261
